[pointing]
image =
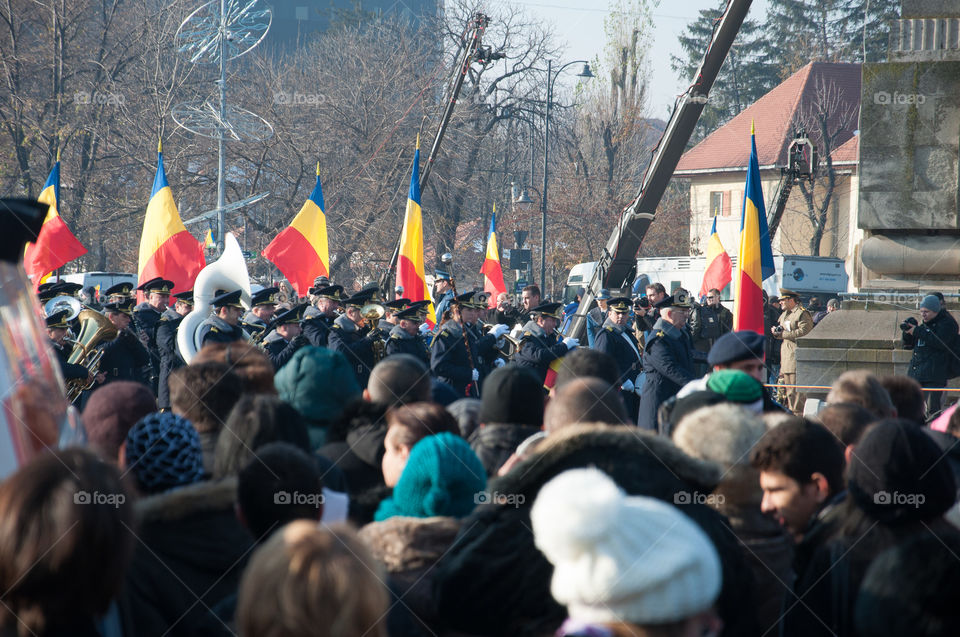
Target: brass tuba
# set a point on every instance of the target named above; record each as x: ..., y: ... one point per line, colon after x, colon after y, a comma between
x: 229, y: 272
x: 95, y: 329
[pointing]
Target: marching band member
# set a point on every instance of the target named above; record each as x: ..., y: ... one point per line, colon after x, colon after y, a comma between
x: 263, y: 306
x: 316, y: 325
x: 539, y: 345
x: 167, y: 343
x: 57, y: 331
x: 224, y: 325
x: 405, y: 336
x: 353, y: 341
x: 286, y: 338
x: 125, y: 357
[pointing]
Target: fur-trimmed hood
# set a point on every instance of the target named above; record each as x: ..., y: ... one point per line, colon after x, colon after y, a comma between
x: 202, y: 497
x: 639, y: 461
x: 405, y: 544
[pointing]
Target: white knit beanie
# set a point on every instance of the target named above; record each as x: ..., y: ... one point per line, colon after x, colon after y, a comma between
x: 620, y: 558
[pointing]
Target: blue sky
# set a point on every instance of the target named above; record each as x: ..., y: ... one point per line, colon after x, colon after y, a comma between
x: 580, y: 24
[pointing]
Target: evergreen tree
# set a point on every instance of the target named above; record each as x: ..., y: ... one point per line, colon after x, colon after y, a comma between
x: 746, y: 74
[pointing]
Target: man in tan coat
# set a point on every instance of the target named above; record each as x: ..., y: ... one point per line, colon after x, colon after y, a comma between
x: 794, y: 323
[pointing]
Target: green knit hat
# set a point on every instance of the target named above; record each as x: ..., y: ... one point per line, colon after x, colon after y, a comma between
x: 735, y: 385
x: 318, y: 383
x: 443, y: 476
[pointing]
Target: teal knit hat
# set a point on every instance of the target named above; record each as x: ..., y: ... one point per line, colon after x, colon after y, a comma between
x: 318, y: 383
x: 736, y: 386
x: 442, y: 477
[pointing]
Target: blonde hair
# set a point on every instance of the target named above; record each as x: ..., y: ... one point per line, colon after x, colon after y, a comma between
x: 312, y: 581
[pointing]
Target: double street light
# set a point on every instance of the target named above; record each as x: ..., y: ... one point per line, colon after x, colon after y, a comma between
x: 524, y: 197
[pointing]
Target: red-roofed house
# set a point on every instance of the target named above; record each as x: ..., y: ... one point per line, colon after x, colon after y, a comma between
x: 717, y: 166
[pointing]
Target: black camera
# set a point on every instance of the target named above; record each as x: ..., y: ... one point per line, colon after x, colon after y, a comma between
x: 906, y: 325
x: 643, y: 302
x: 776, y: 329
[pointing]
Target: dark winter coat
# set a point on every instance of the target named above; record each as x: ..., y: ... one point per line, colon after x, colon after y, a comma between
x: 69, y: 370
x: 707, y: 324
x: 145, y: 318
x: 281, y: 350
x: 495, y: 443
x: 190, y: 554
x: 317, y: 328
x: 612, y: 340
x: 355, y: 345
x: 450, y: 362
x: 668, y: 362
x: 215, y: 330
x: 399, y: 342
x: 409, y: 548
x: 538, y: 350
x: 124, y: 358
x: 169, y: 353
x: 932, y: 344
x: 494, y: 581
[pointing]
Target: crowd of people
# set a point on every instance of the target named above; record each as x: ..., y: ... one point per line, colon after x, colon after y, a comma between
x: 446, y: 493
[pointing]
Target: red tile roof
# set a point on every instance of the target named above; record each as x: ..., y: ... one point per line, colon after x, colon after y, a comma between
x: 847, y: 152
x: 728, y: 147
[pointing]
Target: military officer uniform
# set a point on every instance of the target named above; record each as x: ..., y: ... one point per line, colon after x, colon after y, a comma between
x: 356, y: 344
x: 668, y: 361
x: 170, y: 358
x: 145, y: 318
x: 70, y: 371
x: 622, y: 346
x: 318, y: 284
x: 125, y: 357
x: 794, y: 323
x: 279, y: 349
x: 443, y: 303
x: 399, y: 341
x: 214, y: 329
x: 539, y: 349
x: 450, y: 360
x: 316, y: 325
x: 253, y: 324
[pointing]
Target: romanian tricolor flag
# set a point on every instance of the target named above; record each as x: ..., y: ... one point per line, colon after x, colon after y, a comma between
x: 167, y: 249
x: 410, y: 271
x: 755, y: 260
x: 208, y: 241
x: 492, y: 272
x: 719, y: 269
x: 55, y: 244
x: 300, y: 251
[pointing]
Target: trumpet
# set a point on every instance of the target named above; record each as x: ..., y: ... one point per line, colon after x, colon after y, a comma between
x: 372, y: 313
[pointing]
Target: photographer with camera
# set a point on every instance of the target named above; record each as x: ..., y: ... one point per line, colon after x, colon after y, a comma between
x: 932, y: 341
x: 792, y: 324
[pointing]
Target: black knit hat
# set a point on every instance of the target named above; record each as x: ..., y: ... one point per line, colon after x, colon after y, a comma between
x: 512, y: 395
x: 896, y: 475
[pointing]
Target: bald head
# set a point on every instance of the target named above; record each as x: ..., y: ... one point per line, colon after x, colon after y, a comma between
x: 584, y: 400
x: 398, y: 380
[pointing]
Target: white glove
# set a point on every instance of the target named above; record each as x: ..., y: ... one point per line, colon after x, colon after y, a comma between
x: 627, y: 386
x: 424, y: 329
x: 499, y: 330
x: 570, y: 342
x: 475, y: 375
x: 499, y: 362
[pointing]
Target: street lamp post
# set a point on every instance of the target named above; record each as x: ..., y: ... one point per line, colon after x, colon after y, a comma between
x: 551, y: 80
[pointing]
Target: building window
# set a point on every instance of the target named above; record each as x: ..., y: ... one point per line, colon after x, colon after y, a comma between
x: 716, y: 204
